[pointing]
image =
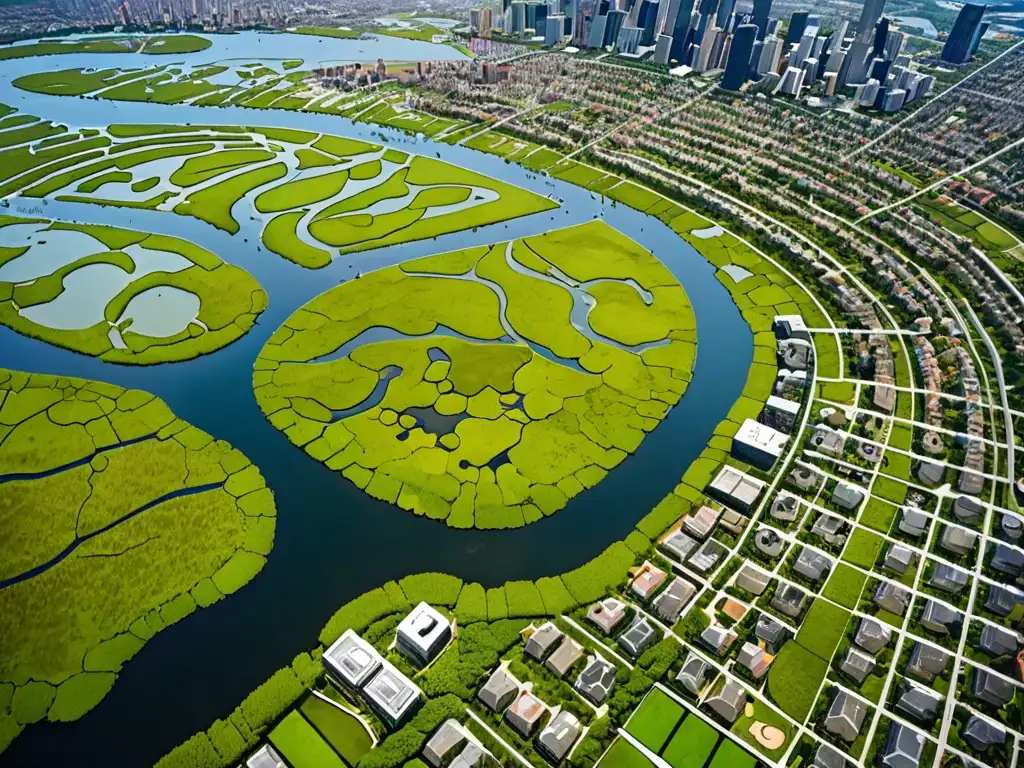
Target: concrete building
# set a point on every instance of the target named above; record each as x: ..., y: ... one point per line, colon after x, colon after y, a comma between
x: 543, y: 641
x: 957, y: 49
x: 670, y: 603
x: 446, y: 742
x: 597, y: 680
x: 758, y: 444
x: 607, y: 614
x: 351, y: 660
x: 701, y: 523
x: 499, y: 690
x: 391, y: 695
x: 737, y: 489
x: 567, y: 654
x: 525, y: 713
x: 678, y: 545
x: 423, y: 634
x: 845, y: 717
x: 559, y: 735
x: 265, y: 757
x: 728, y: 703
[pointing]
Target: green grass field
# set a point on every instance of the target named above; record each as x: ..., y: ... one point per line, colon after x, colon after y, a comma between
x: 654, y: 720
x: 301, y: 745
x: 691, y: 745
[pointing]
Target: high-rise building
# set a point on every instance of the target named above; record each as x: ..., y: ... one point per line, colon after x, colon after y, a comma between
x: 705, y: 60
x: 737, y: 67
x: 628, y: 41
x: 646, y: 20
x: 597, y: 26
x: 663, y: 49
x: 555, y: 26
x: 797, y: 25
x: 978, y: 35
x: 725, y: 9
x: 517, y: 16
x: 474, y: 18
x: 791, y: 83
x: 486, y: 22
x: 614, y: 23
x: 762, y: 9
x: 681, y: 30
x: 869, y: 16
x: 881, y: 35
x: 771, y: 53
x: 957, y: 49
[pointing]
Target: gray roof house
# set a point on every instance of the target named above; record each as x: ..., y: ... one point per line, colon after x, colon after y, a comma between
x: 948, y: 579
x: 892, y: 597
x: 918, y: 703
x: 752, y: 579
x: 828, y: 757
x: 679, y: 546
x: 847, y: 497
x: 902, y: 747
x: 1012, y: 526
x: 265, y: 757
x: 596, y: 680
x: 1008, y: 560
x: 996, y: 641
x: 830, y: 529
x: 607, y: 614
x: 913, y: 522
x: 707, y: 557
x: 567, y: 654
x: 940, y: 618
x: 474, y: 756
x: 557, y: 738
x: 728, y: 703
x: 447, y: 740
x: 717, y: 639
x: 785, y: 508
x: 982, y: 734
x: 772, y: 632
x: 930, y: 473
x: 812, y: 565
x: 967, y: 510
x: 899, y: 558
x: 769, y: 542
x: 525, y: 712
x: 927, y: 662
x: 543, y: 641
x: 857, y: 665
x: 957, y: 540
x: 1002, y: 599
x: 872, y: 635
x: 988, y: 687
x: 789, y: 600
x: 846, y: 716
x: 806, y: 479
x: 694, y: 673
x: 670, y: 603
x: 754, y: 660
x: 636, y: 639
x: 499, y: 690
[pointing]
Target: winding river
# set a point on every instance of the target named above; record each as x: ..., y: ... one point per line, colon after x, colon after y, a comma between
x: 333, y: 541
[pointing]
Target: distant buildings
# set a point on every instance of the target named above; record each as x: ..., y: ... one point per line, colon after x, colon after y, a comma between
x: 964, y: 37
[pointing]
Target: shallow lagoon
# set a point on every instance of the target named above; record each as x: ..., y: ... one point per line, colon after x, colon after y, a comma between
x: 333, y: 541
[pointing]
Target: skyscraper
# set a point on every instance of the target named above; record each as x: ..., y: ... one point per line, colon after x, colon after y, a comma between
x: 737, y: 67
x: 978, y: 35
x: 881, y: 34
x: 869, y: 16
x: 957, y: 49
x: 646, y: 19
x: 797, y: 25
x: 681, y: 30
x: 612, y: 26
x: 762, y: 9
x: 725, y: 8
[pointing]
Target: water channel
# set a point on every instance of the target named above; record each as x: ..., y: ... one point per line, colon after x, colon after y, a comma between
x: 333, y: 541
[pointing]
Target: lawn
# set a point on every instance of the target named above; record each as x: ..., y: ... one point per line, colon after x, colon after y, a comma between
x: 822, y: 629
x: 691, y: 744
x: 794, y: 678
x: 300, y: 744
x: 878, y: 514
x: 654, y: 720
x: 844, y: 585
x: 729, y: 755
x: 624, y: 755
x: 342, y: 730
x: 862, y: 548
x: 763, y: 714
x: 889, y: 489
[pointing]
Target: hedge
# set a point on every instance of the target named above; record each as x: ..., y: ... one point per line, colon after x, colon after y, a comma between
x: 669, y: 509
x: 591, y: 581
x: 497, y: 606
x: 433, y: 588
x: 357, y: 614
x: 557, y: 599
x: 268, y: 702
x: 472, y: 604
x: 523, y: 599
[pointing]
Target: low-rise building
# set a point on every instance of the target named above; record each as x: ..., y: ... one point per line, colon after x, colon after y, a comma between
x: 707, y: 557
x: 845, y: 717
x: 857, y: 665
x: 812, y: 565
x: 847, y: 497
x: 785, y: 508
x: 927, y: 662
x: 958, y: 541
x: 597, y: 680
x: 445, y: 743
x: 872, y: 635
x: 423, y: 634
x: 758, y: 444
x: 1003, y: 598
x: 735, y: 488
x: 899, y: 558
x: 647, y: 580
x: 752, y: 579
x: 830, y: 529
x: 525, y: 713
x: 679, y: 546
x: 728, y: 703
x: 913, y: 522
x: 771, y: 632
x: 968, y: 510
x: 670, y: 603
x: 991, y: 688
x: 694, y: 674
x: 983, y: 734
x: 717, y: 639
x: 902, y: 747
x: 567, y: 654
x: 1008, y: 560
x: 701, y: 522
x: 265, y: 757
x: 826, y: 756
x: 940, y: 618
x: 997, y: 641
x: 789, y: 600
x: 918, y: 704
x: 768, y: 541
x: 607, y: 614
x: 499, y: 690
x: 948, y: 579
x: 892, y: 597
x: 635, y: 640
x: 754, y: 660
x: 351, y: 660
x: 391, y: 694
x: 559, y: 735
x: 543, y: 641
